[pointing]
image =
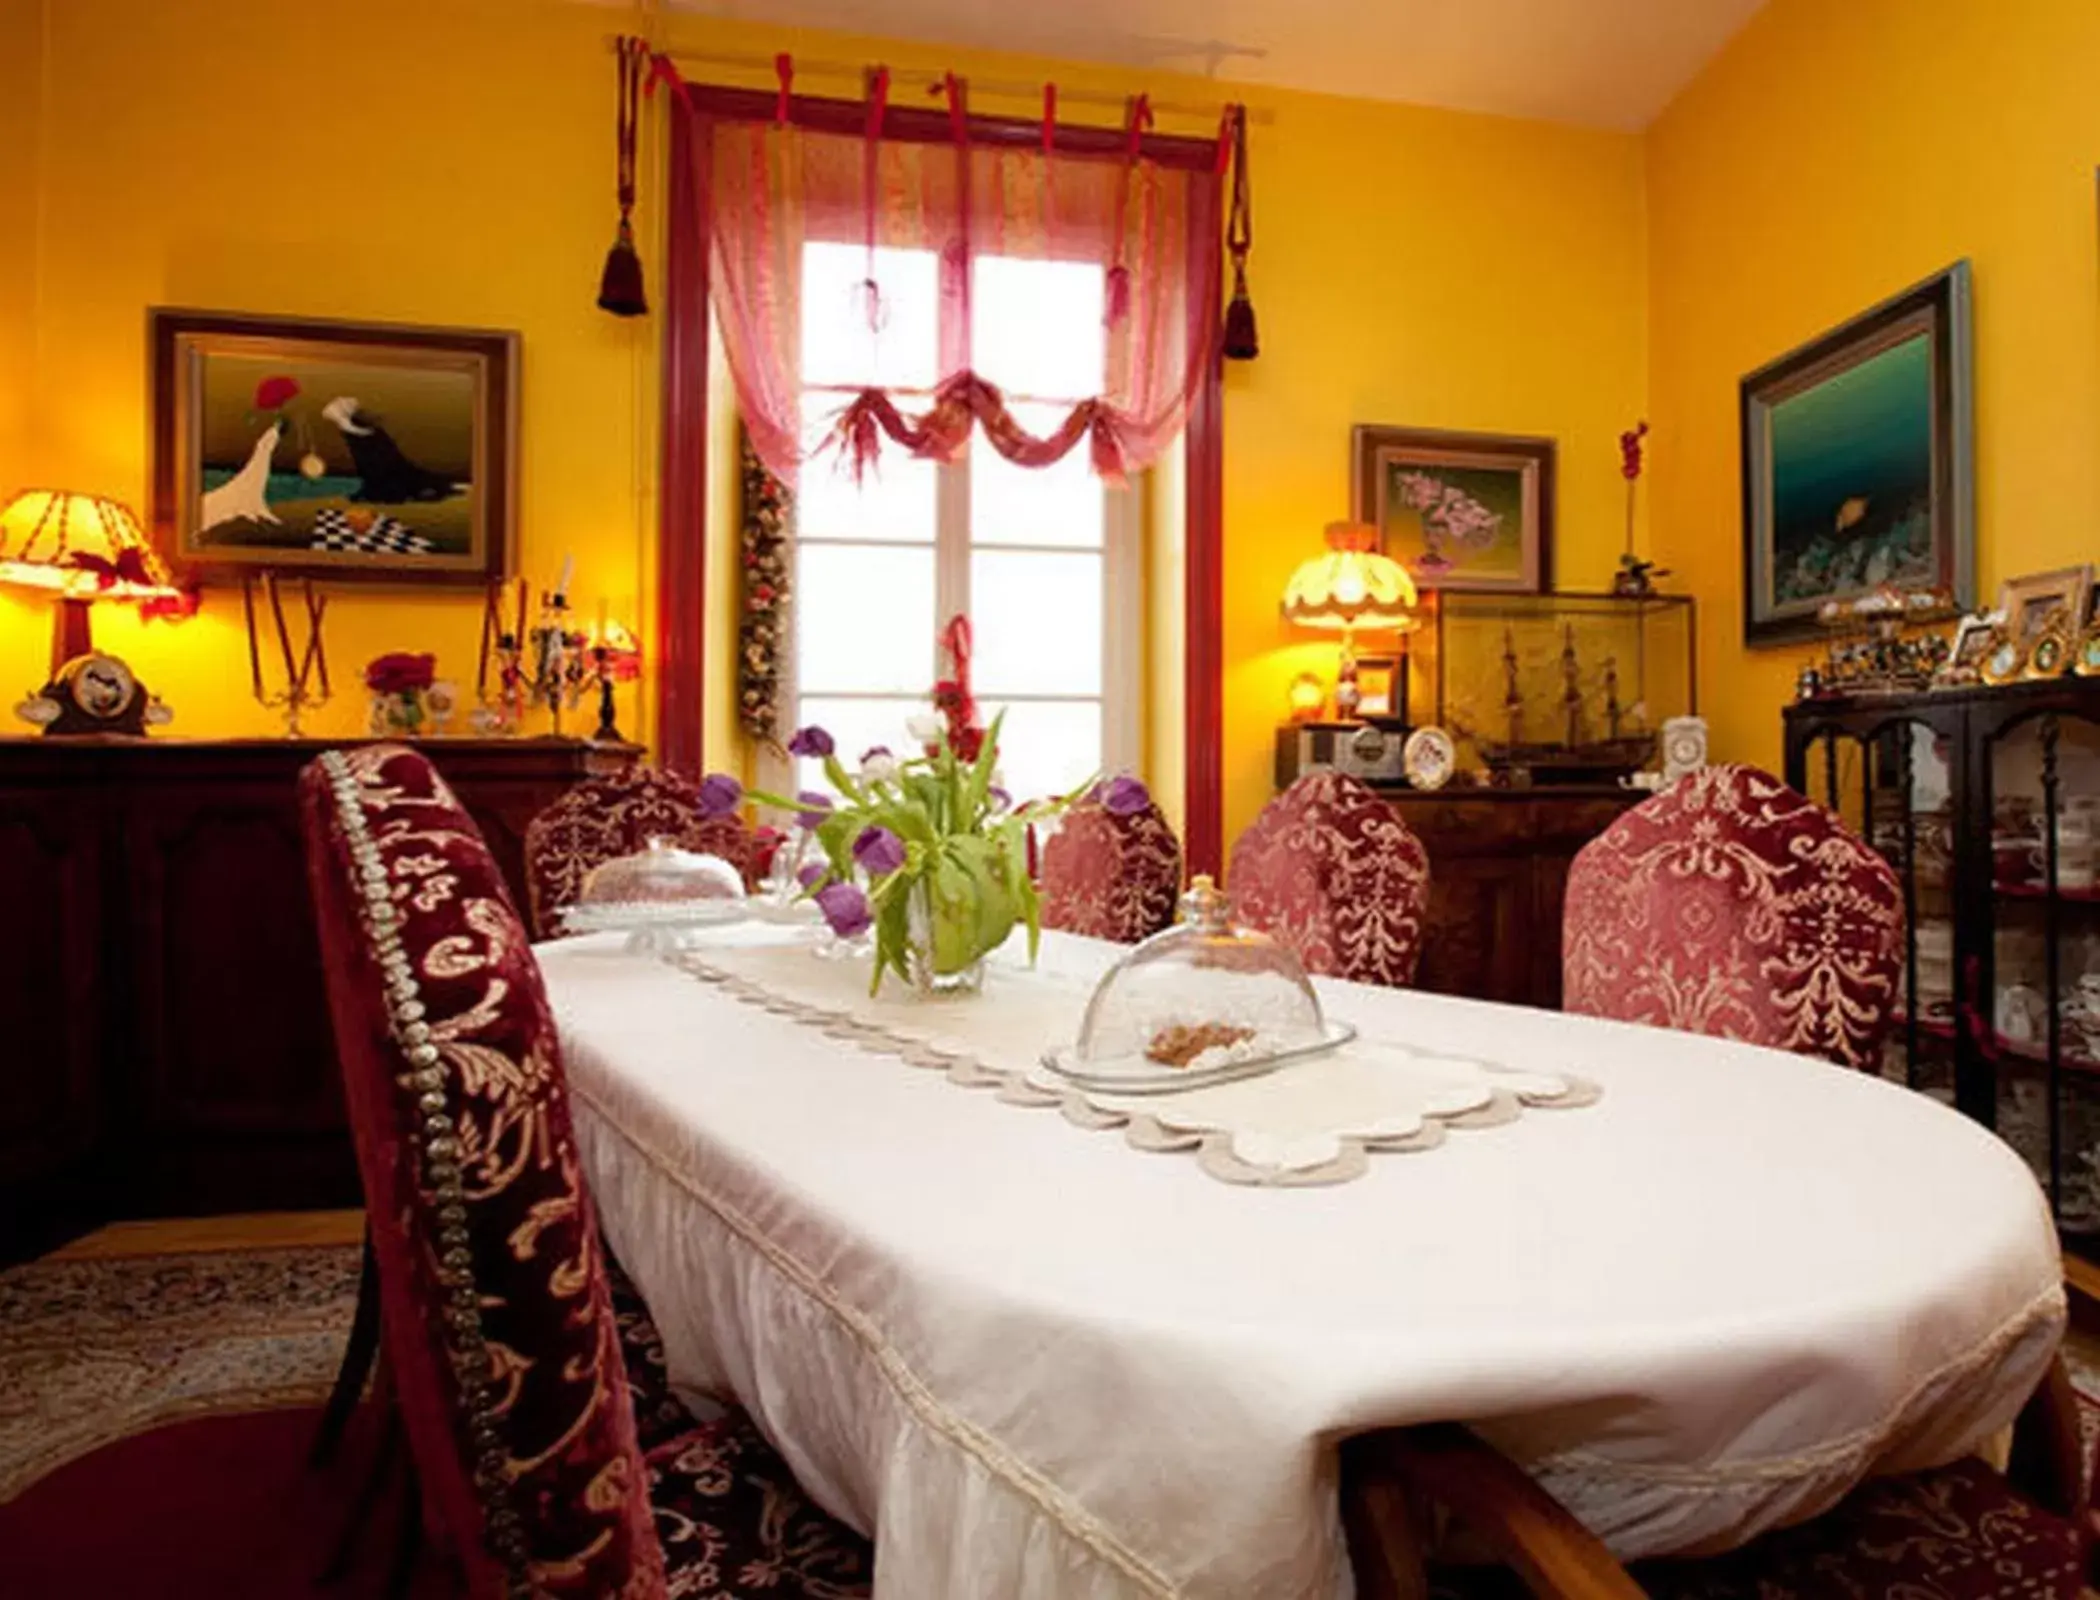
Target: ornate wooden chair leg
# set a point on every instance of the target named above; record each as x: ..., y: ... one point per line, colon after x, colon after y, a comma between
x: 358, y: 1352
x: 382, y: 1469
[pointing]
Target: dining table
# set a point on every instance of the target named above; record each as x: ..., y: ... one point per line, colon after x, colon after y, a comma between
x: 1032, y: 1358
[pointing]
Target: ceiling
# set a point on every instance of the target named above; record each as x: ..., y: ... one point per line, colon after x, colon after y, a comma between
x: 1604, y: 63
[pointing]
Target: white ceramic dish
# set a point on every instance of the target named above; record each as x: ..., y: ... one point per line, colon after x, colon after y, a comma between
x: 1136, y: 1075
x: 631, y: 916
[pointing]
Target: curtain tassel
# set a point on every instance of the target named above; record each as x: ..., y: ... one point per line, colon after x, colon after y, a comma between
x: 620, y: 284
x: 1240, y: 342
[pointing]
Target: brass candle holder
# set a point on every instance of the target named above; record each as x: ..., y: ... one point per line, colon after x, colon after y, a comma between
x: 306, y: 686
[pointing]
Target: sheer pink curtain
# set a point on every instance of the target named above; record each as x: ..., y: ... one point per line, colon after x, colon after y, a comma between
x: 773, y: 175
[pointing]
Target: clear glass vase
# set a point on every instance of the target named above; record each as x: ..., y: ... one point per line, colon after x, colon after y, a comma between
x: 933, y: 945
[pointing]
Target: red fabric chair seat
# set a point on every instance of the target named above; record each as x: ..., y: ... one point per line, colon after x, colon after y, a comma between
x: 602, y: 819
x: 1731, y: 905
x: 1960, y: 1532
x: 1333, y: 872
x: 1109, y: 876
x: 503, y: 1342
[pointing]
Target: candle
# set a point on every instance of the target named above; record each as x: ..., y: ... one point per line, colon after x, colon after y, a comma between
x: 284, y: 636
x: 524, y: 594
x: 488, y: 627
x: 602, y: 636
x: 254, y: 653
x: 316, y: 608
x: 568, y: 571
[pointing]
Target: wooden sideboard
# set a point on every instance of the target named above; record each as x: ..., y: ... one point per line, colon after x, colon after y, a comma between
x: 164, y: 1035
x: 1498, y: 876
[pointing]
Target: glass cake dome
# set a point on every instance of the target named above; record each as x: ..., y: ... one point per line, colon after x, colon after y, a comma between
x: 657, y: 894
x: 1204, y: 1002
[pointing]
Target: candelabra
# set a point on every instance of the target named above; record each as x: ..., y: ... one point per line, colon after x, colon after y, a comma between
x: 559, y: 664
x: 306, y: 685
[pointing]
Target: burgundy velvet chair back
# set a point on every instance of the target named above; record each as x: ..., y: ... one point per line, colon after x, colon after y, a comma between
x: 1731, y: 905
x: 1109, y: 876
x: 498, y: 1325
x: 602, y: 819
x: 1332, y: 871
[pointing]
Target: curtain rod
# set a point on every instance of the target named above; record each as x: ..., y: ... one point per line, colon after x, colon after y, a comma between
x: 1001, y: 88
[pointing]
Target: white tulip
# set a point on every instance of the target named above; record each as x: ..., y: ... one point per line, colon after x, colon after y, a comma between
x: 925, y: 727
x: 878, y: 766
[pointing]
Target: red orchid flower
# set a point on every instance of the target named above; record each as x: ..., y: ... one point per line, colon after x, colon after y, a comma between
x: 273, y: 394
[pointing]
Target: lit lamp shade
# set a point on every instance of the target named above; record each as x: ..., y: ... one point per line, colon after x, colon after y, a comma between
x: 77, y: 548
x: 1354, y: 585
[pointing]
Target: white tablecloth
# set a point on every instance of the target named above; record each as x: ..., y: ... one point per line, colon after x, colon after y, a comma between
x: 1035, y: 1363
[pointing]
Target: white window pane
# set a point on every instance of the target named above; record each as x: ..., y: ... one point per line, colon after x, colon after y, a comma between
x: 1037, y: 622
x: 838, y: 346
x: 894, y: 499
x: 1062, y: 504
x: 856, y: 726
x: 1036, y: 326
x: 863, y: 618
x: 1047, y: 746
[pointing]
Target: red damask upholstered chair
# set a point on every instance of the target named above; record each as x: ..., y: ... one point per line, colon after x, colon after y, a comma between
x: 1959, y: 1532
x: 515, y: 1373
x: 1111, y: 875
x: 602, y: 819
x: 1329, y: 869
x: 1731, y: 905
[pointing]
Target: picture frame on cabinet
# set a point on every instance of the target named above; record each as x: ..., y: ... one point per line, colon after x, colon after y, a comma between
x: 354, y: 450
x: 1377, y: 687
x: 2030, y: 602
x: 1460, y: 511
x: 1858, y: 463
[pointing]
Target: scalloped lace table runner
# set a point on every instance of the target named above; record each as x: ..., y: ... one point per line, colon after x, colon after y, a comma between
x: 1313, y: 1121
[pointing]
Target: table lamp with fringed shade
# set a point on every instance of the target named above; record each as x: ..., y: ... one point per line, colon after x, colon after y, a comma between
x: 81, y: 548
x: 1354, y: 585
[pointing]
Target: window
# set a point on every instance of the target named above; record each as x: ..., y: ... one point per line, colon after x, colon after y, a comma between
x: 1044, y: 561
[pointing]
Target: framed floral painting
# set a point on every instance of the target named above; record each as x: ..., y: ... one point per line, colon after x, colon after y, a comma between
x: 1462, y: 511
x: 350, y: 449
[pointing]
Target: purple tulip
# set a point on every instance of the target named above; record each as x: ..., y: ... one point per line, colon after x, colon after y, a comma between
x: 720, y: 794
x: 1123, y: 795
x: 999, y: 798
x: 812, y: 875
x: 811, y: 741
x: 878, y: 851
x: 816, y: 808
x: 845, y: 908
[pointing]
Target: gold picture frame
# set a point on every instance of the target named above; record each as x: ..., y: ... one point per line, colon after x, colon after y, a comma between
x: 2029, y: 602
x: 350, y: 450
x: 2005, y: 660
x: 2050, y: 654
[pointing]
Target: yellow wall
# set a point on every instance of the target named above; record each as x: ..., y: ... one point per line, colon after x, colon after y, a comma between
x: 449, y: 161
x: 1835, y: 154
x: 446, y: 161
x: 21, y: 33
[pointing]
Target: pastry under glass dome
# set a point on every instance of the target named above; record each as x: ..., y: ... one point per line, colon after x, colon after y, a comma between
x: 1204, y: 1002
x: 658, y: 895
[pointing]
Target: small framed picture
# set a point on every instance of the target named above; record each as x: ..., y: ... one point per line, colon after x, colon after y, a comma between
x: 1377, y: 687
x: 2030, y: 603
x: 1971, y: 644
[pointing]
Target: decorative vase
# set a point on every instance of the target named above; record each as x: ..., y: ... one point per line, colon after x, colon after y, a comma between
x: 401, y: 714
x: 942, y: 950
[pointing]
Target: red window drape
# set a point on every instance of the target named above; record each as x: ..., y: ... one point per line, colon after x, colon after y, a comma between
x: 754, y: 175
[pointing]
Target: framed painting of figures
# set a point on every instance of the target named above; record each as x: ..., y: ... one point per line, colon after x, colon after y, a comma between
x: 1858, y: 463
x: 345, y: 449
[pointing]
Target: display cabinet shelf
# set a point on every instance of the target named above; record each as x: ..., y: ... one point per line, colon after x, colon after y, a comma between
x: 1961, y: 790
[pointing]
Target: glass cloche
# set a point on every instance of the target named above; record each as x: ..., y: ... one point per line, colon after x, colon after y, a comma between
x: 1204, y: 1002
x: 658, y: 895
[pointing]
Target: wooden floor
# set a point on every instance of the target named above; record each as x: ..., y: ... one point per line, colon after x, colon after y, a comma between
x: 180, y: 1235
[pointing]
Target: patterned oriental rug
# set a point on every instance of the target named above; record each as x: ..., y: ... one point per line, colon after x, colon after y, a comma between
x: 95, y: 1351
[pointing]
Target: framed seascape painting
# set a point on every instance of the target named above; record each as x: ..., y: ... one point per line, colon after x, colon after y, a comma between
x: 1459, y: 510
x: 1858, y: 463
x: 355, y: 450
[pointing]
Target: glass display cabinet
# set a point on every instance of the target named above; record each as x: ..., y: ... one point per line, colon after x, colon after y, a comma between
x: 1986, y: 801
x: 1559, y: 688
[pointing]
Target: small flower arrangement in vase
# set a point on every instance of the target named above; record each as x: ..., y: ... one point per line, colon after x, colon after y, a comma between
x: 407, y: 699
x: 942, y: 849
